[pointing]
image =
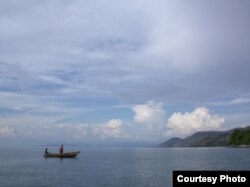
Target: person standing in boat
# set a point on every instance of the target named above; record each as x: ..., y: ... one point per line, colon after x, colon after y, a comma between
x: 46, y: 150
x: 61, y: 149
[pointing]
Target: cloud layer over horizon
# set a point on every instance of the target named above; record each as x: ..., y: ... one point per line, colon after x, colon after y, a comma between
x: 123, y: 70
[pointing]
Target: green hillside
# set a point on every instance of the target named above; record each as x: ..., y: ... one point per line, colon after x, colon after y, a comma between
x: 240, y: 137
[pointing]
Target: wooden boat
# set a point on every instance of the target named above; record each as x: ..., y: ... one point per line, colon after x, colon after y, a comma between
x: 62, y: 155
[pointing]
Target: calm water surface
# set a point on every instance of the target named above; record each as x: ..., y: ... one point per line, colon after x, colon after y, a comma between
x: 26, y: 167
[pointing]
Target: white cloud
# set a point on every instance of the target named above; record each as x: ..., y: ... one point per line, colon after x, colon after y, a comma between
x: 7, y: 131
x: 112, y: 128
x: 235, y: 101
x: 77, y: 131
x: 119, y: 51
x: 150, y: 113
x: 200, y: 119
x: 240, y: 101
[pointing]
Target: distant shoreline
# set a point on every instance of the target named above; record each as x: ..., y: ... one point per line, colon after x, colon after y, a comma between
x: 234, y: 138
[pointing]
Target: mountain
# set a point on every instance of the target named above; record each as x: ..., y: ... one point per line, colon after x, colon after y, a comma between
x: 240, y: 137
x: 210, y: 139
x: 173, y: 142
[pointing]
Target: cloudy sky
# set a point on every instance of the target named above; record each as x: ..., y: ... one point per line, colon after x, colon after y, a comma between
x: 108, y: 71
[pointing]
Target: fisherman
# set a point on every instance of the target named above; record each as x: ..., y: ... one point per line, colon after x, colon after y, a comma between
x: 46, y: 151
x: 61, y: 149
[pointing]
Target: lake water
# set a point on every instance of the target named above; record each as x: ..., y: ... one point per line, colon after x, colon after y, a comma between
x: 26, y: 167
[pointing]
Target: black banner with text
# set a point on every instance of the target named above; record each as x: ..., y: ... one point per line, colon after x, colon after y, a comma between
x: 211, y: 178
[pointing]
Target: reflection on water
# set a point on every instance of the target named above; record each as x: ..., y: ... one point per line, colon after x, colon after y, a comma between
x: 113, y: 167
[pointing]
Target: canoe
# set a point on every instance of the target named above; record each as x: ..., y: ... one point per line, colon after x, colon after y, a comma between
x: 62, y: 155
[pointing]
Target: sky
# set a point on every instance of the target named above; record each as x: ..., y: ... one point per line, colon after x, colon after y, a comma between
x: 108, y: 72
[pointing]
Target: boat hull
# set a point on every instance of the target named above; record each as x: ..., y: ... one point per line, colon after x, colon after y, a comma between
x: 62, y: 155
